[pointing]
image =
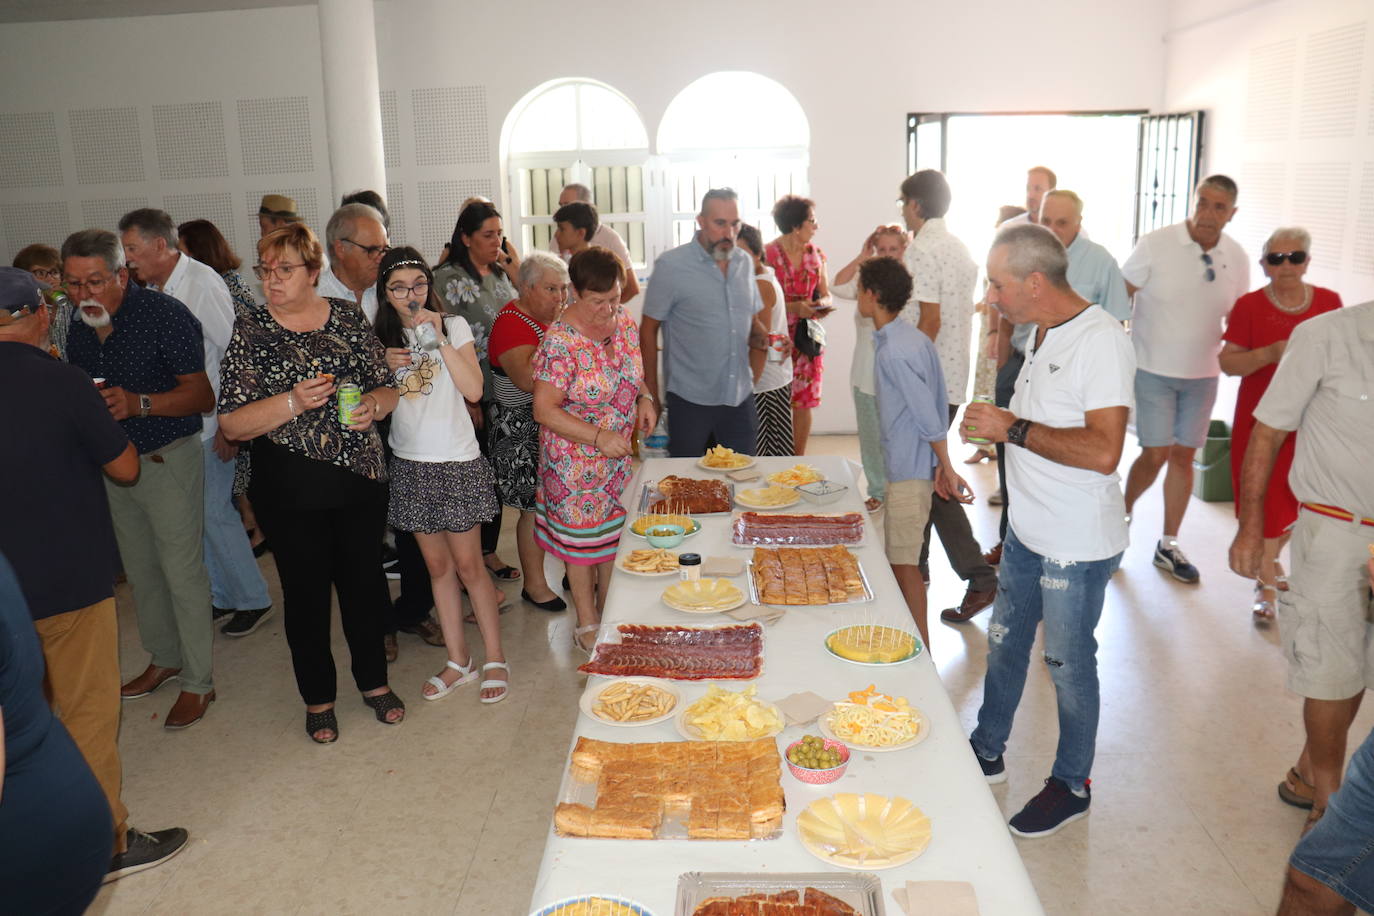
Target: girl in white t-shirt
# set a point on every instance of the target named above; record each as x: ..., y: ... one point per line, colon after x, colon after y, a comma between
x: 442, y: 489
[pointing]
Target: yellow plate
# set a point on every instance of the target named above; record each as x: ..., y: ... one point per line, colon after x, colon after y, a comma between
x: 867, y: 832
x: 704, y: 596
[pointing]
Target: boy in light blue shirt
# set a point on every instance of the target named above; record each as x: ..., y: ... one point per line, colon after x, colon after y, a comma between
x: 914, y: 418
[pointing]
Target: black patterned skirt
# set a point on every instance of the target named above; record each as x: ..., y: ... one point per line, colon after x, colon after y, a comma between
x: 432, y: 496
x: 514, y: 446
x: 775, y: 422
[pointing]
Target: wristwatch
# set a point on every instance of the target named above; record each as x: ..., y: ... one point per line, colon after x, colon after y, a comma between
x: 145, y: 404
x: 1016, y: 433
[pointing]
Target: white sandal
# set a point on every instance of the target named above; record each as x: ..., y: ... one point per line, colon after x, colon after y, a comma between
x: 466, y: 674
x: 583, y: 631
x: 488, y: 684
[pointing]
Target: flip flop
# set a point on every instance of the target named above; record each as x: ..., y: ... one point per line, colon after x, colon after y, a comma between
x: 466, y: 674
x: 491, y: 683
x: 1296, y: 791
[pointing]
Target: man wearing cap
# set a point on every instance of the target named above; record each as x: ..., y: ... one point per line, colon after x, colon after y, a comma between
x: 147, y: 346
x: 66, y: 439
x: 1324, y: 391
x: 238, y: 592
x: 355, y: 239
x: 275, y: 211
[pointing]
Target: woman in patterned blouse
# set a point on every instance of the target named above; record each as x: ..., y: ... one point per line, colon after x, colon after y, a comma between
x: 319, y: 480
x: 473, y: 284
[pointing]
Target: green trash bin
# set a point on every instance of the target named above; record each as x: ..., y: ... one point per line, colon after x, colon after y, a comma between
x: 1212, y: 465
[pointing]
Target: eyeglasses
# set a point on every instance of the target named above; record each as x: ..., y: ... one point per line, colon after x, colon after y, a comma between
x: 281, y: 271
x: 1211, y: 274
x: 50, y: 274
x: 93, y: 284
x: 420, y: 289
x: 1275, y: 258
x: 372, y: 251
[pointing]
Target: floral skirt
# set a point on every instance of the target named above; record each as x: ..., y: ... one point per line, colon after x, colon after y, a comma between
x: 432, y: 496
x: 806, y: 373
x: 514, y: 442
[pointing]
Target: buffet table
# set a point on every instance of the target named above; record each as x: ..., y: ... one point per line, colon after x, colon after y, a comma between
x: 969, y: 840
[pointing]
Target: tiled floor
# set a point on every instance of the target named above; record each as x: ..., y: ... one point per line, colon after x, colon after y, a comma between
x: 448, y: 813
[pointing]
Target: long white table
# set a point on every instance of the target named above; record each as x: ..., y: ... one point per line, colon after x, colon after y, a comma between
x: 969, y: 840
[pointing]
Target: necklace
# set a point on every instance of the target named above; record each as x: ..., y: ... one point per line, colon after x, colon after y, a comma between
x: 1290, y: 310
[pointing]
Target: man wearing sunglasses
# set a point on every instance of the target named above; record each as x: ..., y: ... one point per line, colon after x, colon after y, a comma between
x: 1184, y: 278
x: 355, y: 239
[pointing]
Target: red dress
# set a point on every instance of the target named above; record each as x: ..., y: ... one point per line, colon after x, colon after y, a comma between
x: 800, y: 282
x: 1255, y: 322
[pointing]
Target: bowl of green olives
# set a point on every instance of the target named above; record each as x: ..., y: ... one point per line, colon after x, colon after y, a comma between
x: 816, y: 760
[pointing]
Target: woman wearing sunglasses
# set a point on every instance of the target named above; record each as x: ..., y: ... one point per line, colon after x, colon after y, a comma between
x: 1256, y: 333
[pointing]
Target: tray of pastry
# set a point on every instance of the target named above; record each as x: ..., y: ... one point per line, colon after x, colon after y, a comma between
x: 808, y: 893
x: 687, y: 496
x: 672, y: 790
x: 792, y: 576
x: 812, y: 529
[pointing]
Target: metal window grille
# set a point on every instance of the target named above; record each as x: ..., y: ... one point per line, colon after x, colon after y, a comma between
x: 1169, y: 158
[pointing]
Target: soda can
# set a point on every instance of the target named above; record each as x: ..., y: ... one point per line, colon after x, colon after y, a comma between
x: 350, y: 397
x: 775, y: 345
x: 980, y: 399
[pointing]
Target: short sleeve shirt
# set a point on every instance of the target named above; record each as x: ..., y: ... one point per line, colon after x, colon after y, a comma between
x: 479, y: 303
x: 1178, y: 316
x: 1094, y: 275
x: 943, y: 272
x: 265, y: 359
x: 1062, y: 512
x: 67, y: 436
x: 1324, y: 389
x: 431, y: 422
x: 155, y: 339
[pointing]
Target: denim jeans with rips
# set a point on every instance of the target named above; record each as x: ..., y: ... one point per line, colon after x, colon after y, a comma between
x: 1067, y: 596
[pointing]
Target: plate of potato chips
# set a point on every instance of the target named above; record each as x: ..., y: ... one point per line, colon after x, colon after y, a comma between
x: 726, y: 715
x: 720, y: 458
x: 631, y: 701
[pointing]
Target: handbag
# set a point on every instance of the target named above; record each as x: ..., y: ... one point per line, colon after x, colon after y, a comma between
x: 808, y: 337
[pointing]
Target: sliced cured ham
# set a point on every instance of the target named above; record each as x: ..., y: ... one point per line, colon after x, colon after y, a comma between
x: 681, y: 653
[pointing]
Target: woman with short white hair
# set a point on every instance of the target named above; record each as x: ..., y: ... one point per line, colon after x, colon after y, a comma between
x: 1257, y: 331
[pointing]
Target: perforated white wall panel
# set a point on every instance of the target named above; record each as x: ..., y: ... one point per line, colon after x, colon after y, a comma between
x: 1364, y: 223
x: 274, y: 135
x: 106, y: 213
x: 107, y: 145
x: 396, y: 208
x: 391, y: 131
x: 1331, y: 81
x: 1262, y: 186
x: 1321, y: 195
x: 47, y: 222
x: 439, y: 204
x: 307, y: 205
x: 450, y: 125
x: 190, y: 140
x: 1269, y: 90
x: 29, y: 155
x: 218, y: 208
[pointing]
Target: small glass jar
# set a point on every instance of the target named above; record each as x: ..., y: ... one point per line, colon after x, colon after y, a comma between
x: 689, y: 567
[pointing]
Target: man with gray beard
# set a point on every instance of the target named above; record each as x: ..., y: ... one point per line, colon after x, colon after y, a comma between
x: 147, y: 347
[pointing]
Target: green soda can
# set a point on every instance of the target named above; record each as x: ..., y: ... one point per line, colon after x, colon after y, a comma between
x: 350, y: 397
x: 980, y: 399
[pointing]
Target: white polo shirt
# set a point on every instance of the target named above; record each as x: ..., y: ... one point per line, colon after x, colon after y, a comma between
x: 203, y: 291
x: 1058, y: 511
x: 332, y: 287
x: 1179, y: 314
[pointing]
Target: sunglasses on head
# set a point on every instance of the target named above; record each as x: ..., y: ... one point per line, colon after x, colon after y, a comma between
x: 1275, y: 258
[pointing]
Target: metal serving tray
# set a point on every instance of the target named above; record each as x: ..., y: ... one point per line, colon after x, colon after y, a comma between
x: 649, y: 493
x: 754, y: 591
x: 864, y: 892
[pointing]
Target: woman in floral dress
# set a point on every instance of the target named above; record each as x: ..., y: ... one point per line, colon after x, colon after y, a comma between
x: 473, y: 284
x: 800, y: 267
x: 589, y: 395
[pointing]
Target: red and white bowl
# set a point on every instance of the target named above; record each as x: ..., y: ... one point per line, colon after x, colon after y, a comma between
x: 819, y: 777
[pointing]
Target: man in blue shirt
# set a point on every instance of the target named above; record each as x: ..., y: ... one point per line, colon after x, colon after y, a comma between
x: 148, y: 349
x: 704, y: 295
x: 1093, y: 272
x: 913, y: 414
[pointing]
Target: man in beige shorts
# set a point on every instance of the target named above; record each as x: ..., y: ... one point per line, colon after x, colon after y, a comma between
x: 913, y: 418
x: 1323, y: 390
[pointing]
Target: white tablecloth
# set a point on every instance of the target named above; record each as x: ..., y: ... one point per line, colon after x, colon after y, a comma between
x: 969, y: 840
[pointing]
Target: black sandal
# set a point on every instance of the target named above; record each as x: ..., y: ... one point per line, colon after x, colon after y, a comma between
x: 321, y: 721
x: 383, y: 703
x: 503, y: 572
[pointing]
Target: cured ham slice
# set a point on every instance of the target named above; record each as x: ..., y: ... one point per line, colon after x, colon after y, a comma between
x: 681, y: 653
x: 798, y: 530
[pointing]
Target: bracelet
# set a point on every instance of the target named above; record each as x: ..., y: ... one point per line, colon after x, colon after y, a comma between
x: 291, y: 404
x: 595, y: 439
x: 645, y: 394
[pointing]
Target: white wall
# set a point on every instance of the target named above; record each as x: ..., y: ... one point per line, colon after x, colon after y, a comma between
x: 855, y: 72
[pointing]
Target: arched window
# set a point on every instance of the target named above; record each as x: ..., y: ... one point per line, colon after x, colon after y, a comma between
x: 576, y: 130
x: 735, y: 129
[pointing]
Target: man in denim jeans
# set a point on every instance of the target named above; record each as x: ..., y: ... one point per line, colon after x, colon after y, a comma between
x: 1067, y: 523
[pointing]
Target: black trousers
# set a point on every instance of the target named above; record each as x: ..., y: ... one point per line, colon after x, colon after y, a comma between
x: 320, y: 549
x: 1006, y: 387
x: 949, y: 520
x: 416, y: 599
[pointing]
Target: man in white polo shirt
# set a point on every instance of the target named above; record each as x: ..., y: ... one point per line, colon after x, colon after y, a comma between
x: 1067, y: 528
x: 1324, y: 391
x: 1184, y: 278
x: 355, y: 239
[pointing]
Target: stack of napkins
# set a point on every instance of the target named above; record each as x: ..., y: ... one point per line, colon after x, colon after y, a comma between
x: 948, y: 898
x: 763, y: 614
x: 803, y: 708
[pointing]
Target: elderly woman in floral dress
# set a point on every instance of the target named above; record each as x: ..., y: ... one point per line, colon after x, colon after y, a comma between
x: 473, y: 284
x: 589, y: 395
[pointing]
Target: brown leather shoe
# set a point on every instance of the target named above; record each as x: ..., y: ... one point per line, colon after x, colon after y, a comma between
x: 189, y: 709
x: 428, y: 630
x: 994, y: 556
x: 389, y: 644
x: 151, y: 679
x: 973, y: 603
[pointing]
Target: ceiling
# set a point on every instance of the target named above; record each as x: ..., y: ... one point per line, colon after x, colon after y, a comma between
x: 54, y: 10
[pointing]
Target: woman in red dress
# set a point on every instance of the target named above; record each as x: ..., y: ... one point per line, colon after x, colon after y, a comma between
x: 1256, y: 333
x: 801, y: 270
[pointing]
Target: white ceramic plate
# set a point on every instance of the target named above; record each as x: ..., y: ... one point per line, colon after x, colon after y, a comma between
x: 690, y: 609
x: 741, y: 500
x: 701, y: 463
x: 648, y: 575
x: 679, y: 722
x: 913, y: 820
x: 587, y: 703
x: 922, y: 730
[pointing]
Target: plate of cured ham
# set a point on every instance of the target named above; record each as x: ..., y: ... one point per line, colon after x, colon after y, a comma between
x: 680, y: 653
x: 774, y: 529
